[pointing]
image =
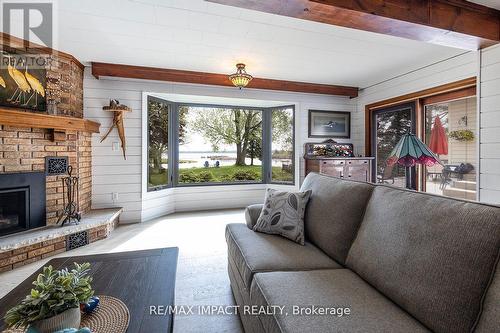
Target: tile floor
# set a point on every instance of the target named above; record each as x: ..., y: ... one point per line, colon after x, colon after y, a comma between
x: 202, y: 268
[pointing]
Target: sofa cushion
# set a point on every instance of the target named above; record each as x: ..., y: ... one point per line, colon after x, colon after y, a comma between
x: 283, y: 214
x: 254, y: 252
x: 370, y: 311
x: 334, y: 213
x: 433, y: 256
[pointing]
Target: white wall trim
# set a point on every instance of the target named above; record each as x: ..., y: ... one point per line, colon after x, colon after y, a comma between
x: 478, y: 126
x: 144, y: 147
x: 490, y: 125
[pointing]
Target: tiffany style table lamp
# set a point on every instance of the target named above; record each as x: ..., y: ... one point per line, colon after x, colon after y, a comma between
x: 410, y: 151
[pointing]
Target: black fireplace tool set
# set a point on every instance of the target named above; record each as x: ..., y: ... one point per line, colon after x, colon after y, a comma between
x: 71, y: 212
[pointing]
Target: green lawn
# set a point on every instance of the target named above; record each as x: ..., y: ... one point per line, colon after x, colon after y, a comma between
x: 156, y: 179
x: 224, y: 174
x: 221, y: 174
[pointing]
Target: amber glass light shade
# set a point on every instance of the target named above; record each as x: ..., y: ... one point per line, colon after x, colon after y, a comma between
x: 240, y: 79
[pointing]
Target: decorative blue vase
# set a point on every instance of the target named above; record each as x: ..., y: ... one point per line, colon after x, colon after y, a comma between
x: 91, y: 305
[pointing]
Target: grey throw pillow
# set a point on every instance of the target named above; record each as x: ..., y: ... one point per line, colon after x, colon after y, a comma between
x: 283, y: 214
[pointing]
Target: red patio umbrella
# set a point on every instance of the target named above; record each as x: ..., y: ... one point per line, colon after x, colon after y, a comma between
x: 438, y: 141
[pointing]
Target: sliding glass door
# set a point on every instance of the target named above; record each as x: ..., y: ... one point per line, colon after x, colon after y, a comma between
x: 450, y: 132
x: 447, y: 122
x: 389, y: 125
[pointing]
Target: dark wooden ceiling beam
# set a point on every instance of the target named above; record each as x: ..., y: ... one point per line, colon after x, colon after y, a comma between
x: 455, y: 23
x: 175, y: 75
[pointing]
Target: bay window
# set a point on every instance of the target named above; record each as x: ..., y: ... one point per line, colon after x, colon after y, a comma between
x: 194, y: 144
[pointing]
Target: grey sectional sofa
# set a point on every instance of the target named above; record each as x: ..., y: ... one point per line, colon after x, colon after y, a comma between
x: 401, y: 261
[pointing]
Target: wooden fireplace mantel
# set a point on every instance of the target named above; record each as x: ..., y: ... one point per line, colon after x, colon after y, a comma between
x: 38, y: 120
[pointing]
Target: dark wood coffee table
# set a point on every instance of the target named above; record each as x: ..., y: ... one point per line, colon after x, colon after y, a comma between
x: 139, y: 278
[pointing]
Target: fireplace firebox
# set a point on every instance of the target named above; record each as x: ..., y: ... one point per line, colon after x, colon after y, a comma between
x: 22, y: 202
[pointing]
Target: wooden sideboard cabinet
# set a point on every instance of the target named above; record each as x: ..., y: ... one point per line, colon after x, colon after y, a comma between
x: 355, y: 168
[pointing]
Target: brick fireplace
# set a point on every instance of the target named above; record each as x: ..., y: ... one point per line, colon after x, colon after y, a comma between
x: 28, y: 137
x: 27, y: 218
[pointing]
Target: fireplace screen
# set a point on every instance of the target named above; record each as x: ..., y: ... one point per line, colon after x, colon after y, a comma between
x: 14, y: 210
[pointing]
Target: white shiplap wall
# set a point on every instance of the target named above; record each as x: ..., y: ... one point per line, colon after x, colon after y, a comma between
x: 490, y: 125
x: 113, y: 174
x: 454, y: 69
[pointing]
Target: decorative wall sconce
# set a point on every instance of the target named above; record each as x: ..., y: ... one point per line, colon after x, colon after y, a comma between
x: 118, y: 115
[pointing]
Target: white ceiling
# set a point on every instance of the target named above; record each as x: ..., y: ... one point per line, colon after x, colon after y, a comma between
x: 202, y: 36
x: 488, y: 3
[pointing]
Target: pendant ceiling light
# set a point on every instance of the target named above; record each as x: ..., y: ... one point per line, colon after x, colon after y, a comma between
x: 240, y: 79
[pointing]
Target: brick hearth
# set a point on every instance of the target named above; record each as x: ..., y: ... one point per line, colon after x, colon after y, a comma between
x: 25, y: 248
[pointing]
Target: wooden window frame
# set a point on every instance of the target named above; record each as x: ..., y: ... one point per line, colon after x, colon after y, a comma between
x: 447, y: 92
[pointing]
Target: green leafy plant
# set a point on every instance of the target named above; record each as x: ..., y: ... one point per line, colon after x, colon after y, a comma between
x: 205, y: 176
x: 462, y: 135
x: 226, y: 178
x: 245, y: 175
x: 188, y: 177
x: 55, y: 291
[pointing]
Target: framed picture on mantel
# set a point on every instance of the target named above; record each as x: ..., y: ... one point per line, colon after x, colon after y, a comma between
x: 23, y: 82
x: 329, y: 124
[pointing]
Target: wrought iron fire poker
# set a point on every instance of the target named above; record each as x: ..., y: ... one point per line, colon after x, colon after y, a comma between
x: 70, y: 212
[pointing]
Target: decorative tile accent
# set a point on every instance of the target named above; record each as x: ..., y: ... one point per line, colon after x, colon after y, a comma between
x: 76, y: 240
x: 56, y: 165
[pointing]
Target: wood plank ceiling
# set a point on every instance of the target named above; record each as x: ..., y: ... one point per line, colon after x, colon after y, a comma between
x: 455, y: 23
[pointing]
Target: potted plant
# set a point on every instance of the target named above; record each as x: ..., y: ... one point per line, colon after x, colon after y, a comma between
x: 54, y: 302
x: 462, y: 135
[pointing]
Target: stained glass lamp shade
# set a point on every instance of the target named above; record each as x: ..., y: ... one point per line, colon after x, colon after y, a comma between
x: 409, y: 151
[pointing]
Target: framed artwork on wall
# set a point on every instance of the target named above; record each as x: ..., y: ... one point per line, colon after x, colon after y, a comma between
x: 329, y: 124
x: 22, y: 82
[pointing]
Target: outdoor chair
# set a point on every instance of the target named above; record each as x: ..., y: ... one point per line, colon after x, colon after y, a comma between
x: 386, y: 177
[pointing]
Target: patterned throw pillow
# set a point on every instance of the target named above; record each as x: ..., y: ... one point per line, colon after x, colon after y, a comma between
x: 283, y: 214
